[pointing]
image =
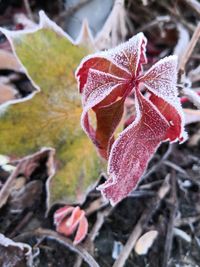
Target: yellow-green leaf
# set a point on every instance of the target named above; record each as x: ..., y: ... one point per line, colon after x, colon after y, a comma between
x: 51, y: 116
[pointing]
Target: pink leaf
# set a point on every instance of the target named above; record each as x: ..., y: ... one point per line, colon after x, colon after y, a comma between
x: 82, y: 231
x: 133, y: 149
x: 61, y: 213
x: 76, y: 216
x: 68, y: 225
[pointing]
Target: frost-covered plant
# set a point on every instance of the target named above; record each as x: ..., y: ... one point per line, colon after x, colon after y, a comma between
x: 106, y: 79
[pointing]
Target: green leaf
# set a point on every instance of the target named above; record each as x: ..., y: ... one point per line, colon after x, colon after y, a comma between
x: 51, y: 116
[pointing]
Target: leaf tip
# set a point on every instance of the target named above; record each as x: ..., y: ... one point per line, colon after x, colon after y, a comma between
x: 44, y: 20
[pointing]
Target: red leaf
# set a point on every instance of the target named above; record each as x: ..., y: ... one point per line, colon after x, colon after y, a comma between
x: 171, y: 115
x: 104, y: 81
x: 161, y: 80
x: 97, y: 63
x: 82, y: 231
x: 108, y: 118
x: 122, y: 61
x: 133, y: 149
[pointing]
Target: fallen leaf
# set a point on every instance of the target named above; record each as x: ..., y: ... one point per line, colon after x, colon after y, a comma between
x: 26, y: 166
x: 51, y: 117
x: 26, y: 197
x: 14, y: 254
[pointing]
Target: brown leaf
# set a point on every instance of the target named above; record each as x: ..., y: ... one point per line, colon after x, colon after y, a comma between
x: 26, y: 166
x: 14, y: 254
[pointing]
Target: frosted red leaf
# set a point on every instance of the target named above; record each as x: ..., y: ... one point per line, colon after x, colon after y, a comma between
x: 106, y: 80
x: 161, y: 81
x: 133, y: 149
x: 69, y: 219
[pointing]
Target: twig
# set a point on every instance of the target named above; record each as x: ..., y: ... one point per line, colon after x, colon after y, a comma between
x: 142, y: 223
x: 78, y: 262
x: 194, y: 75
x: 21, y: 224
x: 153, y: 23
x: 195, y: 5
x: 177, y: 16
x: 192, y: 96
x: 175, y: 167
x: 173, y: 209
x: 96, y: 205
x: 189, y: 49
x: 187, y: 221
x: 99, y: 222
x: 28, y: 9
x: 49, y: 234
x: 150, y: 185
x: 183, y: 40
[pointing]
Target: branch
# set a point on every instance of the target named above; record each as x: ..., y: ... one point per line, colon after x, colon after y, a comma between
x: 28, y: 10
x: 189, y: 49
